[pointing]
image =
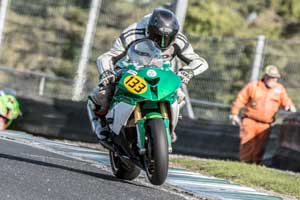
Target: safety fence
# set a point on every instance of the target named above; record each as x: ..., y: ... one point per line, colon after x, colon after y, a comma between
x: 47, y: 36
x: 231, y: 62
x: 28, y: 83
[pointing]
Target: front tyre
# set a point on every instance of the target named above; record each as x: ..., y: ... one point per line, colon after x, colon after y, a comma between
x: 156, y: 159
x: 122, y: 171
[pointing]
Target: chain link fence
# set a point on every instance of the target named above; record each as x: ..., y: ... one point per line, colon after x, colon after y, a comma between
x: 285, y: 54
x: 47, y: 35
x: 231, y: 64
x: 230, y: 61
x: 28, y: 83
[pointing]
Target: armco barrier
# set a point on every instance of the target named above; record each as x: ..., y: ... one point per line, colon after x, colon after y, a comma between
x: 54, y: 118
x: 287, y: 155
x: 216, y: 140
x: 207, y: 139
x: 68, y: 120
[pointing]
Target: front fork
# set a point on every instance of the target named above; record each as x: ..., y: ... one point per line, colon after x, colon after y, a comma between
x: 164, y: 113
x: 140, y: 125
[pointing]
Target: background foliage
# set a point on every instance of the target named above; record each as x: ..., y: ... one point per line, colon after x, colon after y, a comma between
x: 47, y: 35
x: 276, y: 19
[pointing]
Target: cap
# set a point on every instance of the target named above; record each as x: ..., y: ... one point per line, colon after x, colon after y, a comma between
x: 272, y: 71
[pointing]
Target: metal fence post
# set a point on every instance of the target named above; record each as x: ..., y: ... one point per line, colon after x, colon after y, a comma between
x: 189, y: 107
x: 90, y: 30
x: 42, y: 86
x: 180, y: 10
x: 257, y: 63
x: 3, y: 11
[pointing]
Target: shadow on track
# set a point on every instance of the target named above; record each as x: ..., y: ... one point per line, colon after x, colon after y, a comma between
x: 89, y: 173
x: 46, y: 164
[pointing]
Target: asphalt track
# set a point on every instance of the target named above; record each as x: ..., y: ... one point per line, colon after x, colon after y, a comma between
x: 29, y: 173
x: 37, y: 168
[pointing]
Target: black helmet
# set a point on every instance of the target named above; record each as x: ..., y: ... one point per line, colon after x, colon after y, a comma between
x: 163, y: 27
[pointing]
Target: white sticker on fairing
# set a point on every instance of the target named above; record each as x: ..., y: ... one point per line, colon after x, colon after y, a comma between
x: 132, y: 72
x: 151, y: 73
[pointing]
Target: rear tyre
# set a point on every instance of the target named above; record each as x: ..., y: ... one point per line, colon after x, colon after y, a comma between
x: 121, y: 170
x: 156, y: 160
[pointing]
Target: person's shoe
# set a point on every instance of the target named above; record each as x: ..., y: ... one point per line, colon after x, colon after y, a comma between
x: 173, y: 137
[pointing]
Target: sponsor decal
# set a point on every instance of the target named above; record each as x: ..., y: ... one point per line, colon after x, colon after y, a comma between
x: 132, y: 72
x: 151, y: 73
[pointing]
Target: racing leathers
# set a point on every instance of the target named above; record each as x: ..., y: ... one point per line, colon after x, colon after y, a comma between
x: 101, y: 96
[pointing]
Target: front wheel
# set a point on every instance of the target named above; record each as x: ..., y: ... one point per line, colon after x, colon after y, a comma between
x: 156, y: 160
x: 121, y: 170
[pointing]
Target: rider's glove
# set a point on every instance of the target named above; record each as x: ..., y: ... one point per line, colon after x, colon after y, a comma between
x: 119, y: 72
x: 290, y: 108
x: 185, y: 76
x: 235, y: 120
x: 106, y: 78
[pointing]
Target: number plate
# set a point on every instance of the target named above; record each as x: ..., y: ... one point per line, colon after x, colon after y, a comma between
x: 135, y: 84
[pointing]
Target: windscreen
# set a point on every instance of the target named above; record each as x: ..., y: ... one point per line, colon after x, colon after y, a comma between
x: 144, y: 53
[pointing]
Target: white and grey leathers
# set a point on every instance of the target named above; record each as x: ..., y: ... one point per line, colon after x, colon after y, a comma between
x: 180, y: 48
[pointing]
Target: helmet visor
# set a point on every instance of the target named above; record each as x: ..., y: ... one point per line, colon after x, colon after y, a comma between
x: 163, y: 41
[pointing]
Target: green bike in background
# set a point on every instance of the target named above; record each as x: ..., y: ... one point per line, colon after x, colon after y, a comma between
x: 9, y: 109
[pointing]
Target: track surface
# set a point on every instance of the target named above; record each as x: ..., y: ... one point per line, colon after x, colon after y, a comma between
x: 34, y: 174
x: 73, y: 172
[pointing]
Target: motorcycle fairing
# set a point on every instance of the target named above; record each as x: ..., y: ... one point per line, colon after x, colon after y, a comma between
x: 120, y: 113
x: 145, y: 85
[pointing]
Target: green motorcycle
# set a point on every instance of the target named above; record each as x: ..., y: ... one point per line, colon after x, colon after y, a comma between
x: 141, y: 115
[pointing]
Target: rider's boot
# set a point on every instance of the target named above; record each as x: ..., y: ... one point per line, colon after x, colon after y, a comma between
x: 98, y: 123
x: 102, y: 130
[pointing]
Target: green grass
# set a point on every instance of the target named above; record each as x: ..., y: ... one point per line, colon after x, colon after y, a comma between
x: 245, y: 174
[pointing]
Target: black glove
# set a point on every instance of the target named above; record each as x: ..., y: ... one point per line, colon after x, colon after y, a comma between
x: 185, y: 76
x: 119, y: 72
x: 106, y: 78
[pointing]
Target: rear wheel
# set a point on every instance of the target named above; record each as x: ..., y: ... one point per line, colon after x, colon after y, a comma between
x: 121, y: 170
x: 156, y: 160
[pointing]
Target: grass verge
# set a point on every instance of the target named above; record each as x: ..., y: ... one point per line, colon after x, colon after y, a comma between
x: 285, y: 183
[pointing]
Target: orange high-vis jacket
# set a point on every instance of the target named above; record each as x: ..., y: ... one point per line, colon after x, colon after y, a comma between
x: 261, y: 103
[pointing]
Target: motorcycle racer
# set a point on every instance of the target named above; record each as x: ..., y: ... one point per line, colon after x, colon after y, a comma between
x: 162, y: 27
